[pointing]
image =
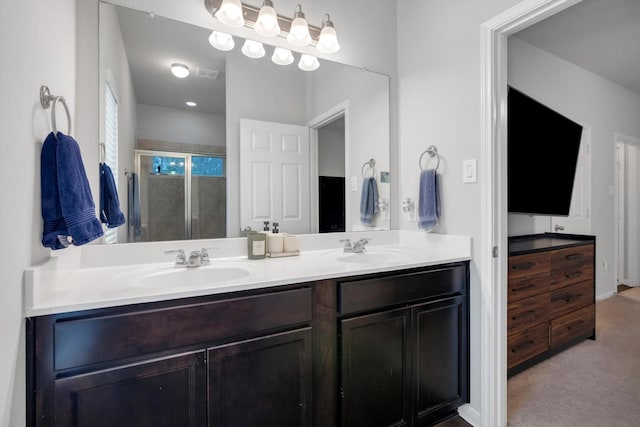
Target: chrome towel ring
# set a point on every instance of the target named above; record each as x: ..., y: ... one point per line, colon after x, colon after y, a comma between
x: 46, y: 101
x: 372, y: 164
x: 431, y: 151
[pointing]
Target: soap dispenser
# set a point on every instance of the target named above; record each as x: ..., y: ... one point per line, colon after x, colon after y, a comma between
x: 275, y: 241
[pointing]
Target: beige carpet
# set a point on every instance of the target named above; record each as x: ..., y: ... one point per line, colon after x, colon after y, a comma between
x: 593, y: 384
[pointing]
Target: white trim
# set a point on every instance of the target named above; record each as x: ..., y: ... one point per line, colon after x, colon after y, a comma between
x: 605, y: 295
x: 470, y: 415
x: 493, y: 271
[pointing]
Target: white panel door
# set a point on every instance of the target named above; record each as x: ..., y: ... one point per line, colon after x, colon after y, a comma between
x: 579, y: 219
x: 274, y: 175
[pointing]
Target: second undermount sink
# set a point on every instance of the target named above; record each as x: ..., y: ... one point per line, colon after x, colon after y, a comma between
x: 170, y: 277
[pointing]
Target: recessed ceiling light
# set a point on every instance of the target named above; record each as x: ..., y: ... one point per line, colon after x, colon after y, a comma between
x: 191, y: 103
x: 179, y: 70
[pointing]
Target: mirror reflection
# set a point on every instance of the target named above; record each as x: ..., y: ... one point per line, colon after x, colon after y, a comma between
x: 206, y: 143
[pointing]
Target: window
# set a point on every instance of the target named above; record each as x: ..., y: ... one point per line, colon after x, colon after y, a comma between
x: 111, y: 147
x: 200, y: 165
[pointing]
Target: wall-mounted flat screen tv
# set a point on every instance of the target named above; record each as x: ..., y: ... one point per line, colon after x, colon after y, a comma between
x: 543, y: 148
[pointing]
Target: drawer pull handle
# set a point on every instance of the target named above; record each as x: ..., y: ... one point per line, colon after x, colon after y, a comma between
x: 523, y: 266
x: 572, y: 275
x: 523, y: 288
x: 573, y: 256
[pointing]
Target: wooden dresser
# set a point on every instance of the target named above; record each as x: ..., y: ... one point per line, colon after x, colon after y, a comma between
x: 551, y: 296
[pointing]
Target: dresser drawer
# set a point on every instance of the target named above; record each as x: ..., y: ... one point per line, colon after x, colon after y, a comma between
x: 571, y: 265
x: 527, y: 344
x: 102, y: 338
x: 529, y: 264
x: 527, y: 312
x: 571, y: 298
x: 367, y: 294
x: 573, y: 325
x: 527, y: 286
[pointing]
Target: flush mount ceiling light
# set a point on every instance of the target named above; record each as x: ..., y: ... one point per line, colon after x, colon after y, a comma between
x: 267, y: 22
x: 230, y: 13
x: 221, y: 41
x: 308, y: 63
x: 191, y: 103
x: 328, y: 41
x: 253, y: 49
x: 299, y: 32
x: 282, y: 56
x: 179, y: 70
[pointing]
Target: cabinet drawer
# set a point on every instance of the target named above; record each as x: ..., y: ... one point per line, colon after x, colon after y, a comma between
x: 573, y: 325
x: 360, y: 295
x: 529, y: 264
x: 527, y: 286
x: 571, y: 298
x: 571, y: 265
x: 527, y: 344
x: 96, y: 339
x: 527, y: 312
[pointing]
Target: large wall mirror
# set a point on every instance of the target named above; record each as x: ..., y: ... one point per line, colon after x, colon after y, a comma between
x: 238, y: 141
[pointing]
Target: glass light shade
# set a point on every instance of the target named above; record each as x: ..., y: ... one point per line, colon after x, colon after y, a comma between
x: 253, y: 49
x: 191, y: 103
x: 308, y: 63
x: 299, y: 32
x: 221, y: 41
x: 328, y: 41
x: 230, y: 13
x: 282, y: 56
x: 179, y: 70
x: 267, y: 22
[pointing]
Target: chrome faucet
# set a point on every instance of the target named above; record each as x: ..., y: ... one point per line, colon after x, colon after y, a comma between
x: 357, y: 247
x: 196, y: 258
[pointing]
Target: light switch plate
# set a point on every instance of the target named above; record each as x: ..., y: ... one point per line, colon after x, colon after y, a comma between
x: 354, y: 183
x: 469, y: 171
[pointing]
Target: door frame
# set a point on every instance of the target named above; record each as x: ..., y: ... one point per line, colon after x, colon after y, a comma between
x: 493, y: 195
x: 324, y: 118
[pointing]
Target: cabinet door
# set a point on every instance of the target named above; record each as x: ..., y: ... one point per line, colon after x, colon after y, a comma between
x: 261, y: 382
x: 376, y: 386
x: 440, y: 362
x: 164, y: 392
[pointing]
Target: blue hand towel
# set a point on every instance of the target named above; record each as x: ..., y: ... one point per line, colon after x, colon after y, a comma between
x: 110, y: 213
x: 368, y: 201
x: 428, y: 199
x: 67, y: 204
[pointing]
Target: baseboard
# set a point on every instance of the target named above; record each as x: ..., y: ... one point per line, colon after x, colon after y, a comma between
x: 605, y: 295
x: 470, y: 415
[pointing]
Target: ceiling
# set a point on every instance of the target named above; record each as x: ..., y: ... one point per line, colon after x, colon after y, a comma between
x: 602, y: 36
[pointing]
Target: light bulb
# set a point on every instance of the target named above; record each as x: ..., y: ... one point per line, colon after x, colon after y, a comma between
x: 221, y: 41
x: 267, y: 22
x: 179, y: 70
x: 282, y: 56
x: 328, y: 40
x: 299, y: 32
x: 308, y: 63
x: 253, y: 49
x: 230, y: 13
x: 191, y: 103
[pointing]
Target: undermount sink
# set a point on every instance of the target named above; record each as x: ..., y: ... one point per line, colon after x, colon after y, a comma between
x: 374, y: 256
x: 177, y: 277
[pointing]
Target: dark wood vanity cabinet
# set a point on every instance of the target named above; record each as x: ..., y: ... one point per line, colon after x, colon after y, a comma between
x: 374, y: 350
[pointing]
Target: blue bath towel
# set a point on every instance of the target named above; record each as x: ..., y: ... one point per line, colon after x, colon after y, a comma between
x: 428, y: 200
x: 67, y: 204
x: 368, y: 201
x: 110, y: 213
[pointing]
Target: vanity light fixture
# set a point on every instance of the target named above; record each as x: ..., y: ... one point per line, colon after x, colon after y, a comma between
x: 282, y: 56
x: 221, y: 41
x: 179, y: 70
x: 308, y: 63
x: 253, y: 49
x: 299, y: 32
x: 267, y: 22
x: 191, y: 103
x: 328, y: 41
x: 230, y: 13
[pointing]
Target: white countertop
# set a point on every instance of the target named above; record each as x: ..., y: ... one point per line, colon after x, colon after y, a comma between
x: 98, y: 276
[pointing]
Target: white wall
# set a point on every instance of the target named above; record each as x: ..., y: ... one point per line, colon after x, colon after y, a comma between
x: 174, y: 125
x: 32, y: 53
x: 590, y: 100
x: 439, y: 104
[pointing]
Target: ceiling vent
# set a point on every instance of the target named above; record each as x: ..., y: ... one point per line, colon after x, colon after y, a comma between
x: 207, y: 74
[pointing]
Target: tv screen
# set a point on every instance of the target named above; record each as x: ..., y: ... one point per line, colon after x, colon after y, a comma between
x: 543, y: 148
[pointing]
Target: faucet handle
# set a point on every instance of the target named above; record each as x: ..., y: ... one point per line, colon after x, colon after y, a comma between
x: 181, y: 258
x: 204, y: 255
x: 347, y: 244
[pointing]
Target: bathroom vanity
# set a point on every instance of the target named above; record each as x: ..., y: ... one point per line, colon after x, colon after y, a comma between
x: 551, y: 296
x: 366, y: 342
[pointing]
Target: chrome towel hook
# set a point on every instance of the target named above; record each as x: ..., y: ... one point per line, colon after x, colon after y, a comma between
x: 46, y: 101
x: 431, y: 151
